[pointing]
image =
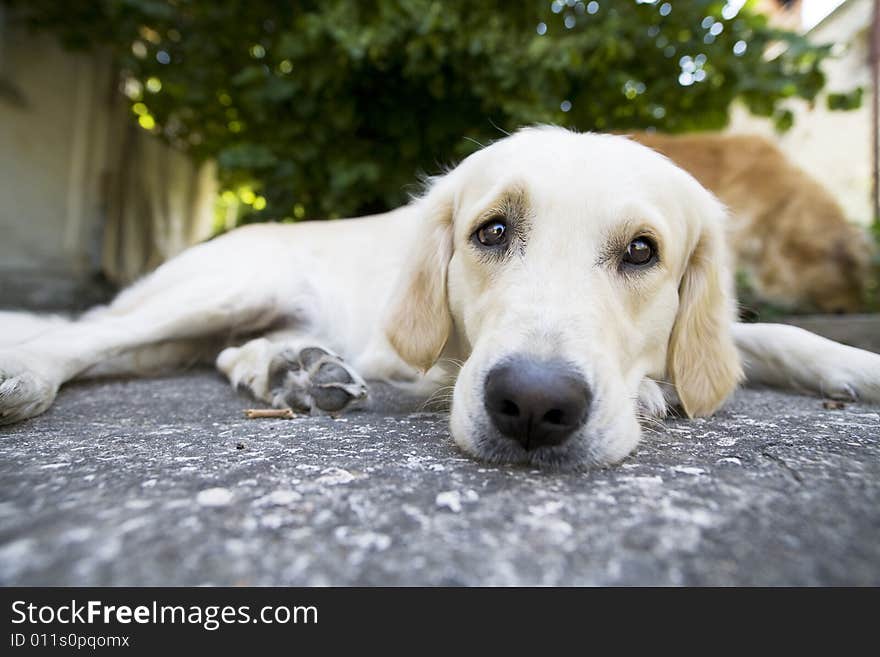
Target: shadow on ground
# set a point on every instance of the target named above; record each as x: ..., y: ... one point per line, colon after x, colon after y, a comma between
x: 163, y: 482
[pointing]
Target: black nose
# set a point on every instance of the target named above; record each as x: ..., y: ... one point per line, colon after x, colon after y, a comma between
x: 535, y: 402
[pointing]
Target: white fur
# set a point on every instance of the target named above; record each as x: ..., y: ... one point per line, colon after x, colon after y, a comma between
x: 406, y: 291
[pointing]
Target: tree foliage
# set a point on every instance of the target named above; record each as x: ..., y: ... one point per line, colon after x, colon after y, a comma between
x: 332, y: 107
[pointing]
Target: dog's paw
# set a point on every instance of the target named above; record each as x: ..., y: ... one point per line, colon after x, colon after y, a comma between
x: 839, y: 391
x: 313, y: 380
x: 23, y: 393
x: 853, y: 375
x: 857, y: 387
x: 307, y: 379
x: 652, y: 402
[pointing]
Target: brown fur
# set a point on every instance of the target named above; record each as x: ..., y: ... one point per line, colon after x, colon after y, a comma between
x: 788, y: 234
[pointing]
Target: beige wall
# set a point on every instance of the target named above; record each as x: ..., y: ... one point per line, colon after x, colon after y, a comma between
x: 51, y: 154
x: 83, y: 188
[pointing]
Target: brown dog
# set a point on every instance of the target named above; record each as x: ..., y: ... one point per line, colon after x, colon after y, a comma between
x: 788, y: 234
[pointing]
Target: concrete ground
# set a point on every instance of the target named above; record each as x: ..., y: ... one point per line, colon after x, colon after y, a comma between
x: 163, y: 482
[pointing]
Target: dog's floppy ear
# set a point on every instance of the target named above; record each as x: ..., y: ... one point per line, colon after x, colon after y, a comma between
x: 702, y: 359
x: 419, y: 322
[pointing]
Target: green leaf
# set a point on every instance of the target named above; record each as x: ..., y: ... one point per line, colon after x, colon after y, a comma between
x: 846, y: 101
x: 246, y: 156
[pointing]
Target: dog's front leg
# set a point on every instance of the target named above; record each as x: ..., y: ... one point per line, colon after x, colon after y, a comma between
x: 288, y: 370
x: 790, y: 357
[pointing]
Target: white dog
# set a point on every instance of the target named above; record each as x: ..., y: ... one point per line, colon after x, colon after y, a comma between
x: 581, y: 279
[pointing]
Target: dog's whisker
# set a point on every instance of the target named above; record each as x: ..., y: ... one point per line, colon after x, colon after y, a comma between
x: 436, y: 405
x: 649, y: 420
x: 660, y: 382
x: 453, y: 362
x: 499, y: 129
x: 440, y: 397
x: 650, y: 424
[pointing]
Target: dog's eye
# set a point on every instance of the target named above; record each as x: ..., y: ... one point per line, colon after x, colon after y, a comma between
x: 640, y: 252
x: 492, y: 233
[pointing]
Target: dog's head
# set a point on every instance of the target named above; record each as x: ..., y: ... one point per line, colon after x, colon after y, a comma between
x: 572, y: 272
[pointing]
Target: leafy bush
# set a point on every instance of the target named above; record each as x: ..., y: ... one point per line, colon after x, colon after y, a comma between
x: 332, y: 107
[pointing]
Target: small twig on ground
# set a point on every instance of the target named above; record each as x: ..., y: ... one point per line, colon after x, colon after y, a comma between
x: 280, y: 413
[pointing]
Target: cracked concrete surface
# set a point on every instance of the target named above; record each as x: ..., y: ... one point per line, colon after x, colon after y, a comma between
x: 163, y: 482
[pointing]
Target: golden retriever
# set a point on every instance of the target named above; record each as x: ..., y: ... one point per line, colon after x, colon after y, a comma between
x: 568, y: 284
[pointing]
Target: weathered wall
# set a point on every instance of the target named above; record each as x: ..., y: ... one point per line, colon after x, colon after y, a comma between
x: 84, y: 190
x: 52, y: 148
